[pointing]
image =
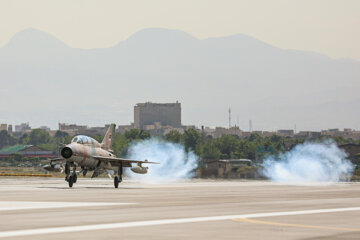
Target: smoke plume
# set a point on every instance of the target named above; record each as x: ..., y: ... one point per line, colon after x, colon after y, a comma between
x: 309, y: 162
x: 175, y: 163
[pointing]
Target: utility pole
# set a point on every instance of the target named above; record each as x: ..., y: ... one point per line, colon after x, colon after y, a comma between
x: 229, y: 118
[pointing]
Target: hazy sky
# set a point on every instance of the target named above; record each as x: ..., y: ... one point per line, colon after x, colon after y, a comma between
x: 331, y: 27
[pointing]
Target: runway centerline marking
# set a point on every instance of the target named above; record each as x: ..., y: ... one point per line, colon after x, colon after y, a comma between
x: 28, y: 205
x: 296, y: 225
x: 93, y: 227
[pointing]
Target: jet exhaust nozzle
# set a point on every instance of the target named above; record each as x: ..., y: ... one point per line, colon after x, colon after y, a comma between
x: 66, y: 152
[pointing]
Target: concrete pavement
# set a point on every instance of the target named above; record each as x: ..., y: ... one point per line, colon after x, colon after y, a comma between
x: 45, y: 208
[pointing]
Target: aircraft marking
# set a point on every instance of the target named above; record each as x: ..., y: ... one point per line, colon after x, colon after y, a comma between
x: 81, y: 228
x: 85, y: 153
x: 296, y: 225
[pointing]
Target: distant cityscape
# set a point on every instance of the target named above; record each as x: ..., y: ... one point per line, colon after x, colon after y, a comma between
x: 161, y: 118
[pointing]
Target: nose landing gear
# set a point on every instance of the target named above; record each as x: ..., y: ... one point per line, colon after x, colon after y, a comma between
x: 67, y: 172
x: 70, y: 179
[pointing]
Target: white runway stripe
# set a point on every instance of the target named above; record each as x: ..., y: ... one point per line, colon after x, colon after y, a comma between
x: 25, y: 205
x: 163, y: 222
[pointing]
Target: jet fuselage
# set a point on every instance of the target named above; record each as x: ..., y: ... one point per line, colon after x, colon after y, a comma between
x: 82, y: 151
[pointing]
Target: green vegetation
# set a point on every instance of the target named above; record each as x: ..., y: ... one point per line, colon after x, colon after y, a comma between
x: 206, y: 147
x: 225, y: 147
x: 6, y: 139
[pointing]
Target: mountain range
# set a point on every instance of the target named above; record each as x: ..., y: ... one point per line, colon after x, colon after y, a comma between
x: 44, y: 81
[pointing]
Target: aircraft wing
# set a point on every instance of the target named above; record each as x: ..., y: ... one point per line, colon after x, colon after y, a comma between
x: 125, y: 162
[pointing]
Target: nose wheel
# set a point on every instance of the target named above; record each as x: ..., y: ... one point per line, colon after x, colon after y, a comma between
x: 70, y: 179
x: 116, y: 182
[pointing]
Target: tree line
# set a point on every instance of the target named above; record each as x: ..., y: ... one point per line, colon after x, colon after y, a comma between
x: 205, y: 146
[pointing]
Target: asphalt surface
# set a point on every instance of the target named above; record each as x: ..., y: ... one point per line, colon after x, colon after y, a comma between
x: 45, y: 208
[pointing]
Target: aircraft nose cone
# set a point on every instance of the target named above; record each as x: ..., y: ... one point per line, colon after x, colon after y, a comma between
x: 66, y: 152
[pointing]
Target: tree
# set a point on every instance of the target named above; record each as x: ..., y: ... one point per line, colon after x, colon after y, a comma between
x: 173, y: 136
x: 229, y: 146
x: 38, y: 136
x: 339, y: 140
x: 211, y: 151
x: 120, y: 144
x: 137, y: 134
x: 191, y: 139
x: 275, y: 138
x: 6, y: 139
x: 255, y: 137
x: 24, y: 139
x: 60, y: 134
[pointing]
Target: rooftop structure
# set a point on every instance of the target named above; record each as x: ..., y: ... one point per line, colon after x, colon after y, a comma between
x: 163, y: 114
x: 72, y: 129
x: 3, y: 127
x: 285, y: 133
x: 27, y: 151
x: 24, y: 127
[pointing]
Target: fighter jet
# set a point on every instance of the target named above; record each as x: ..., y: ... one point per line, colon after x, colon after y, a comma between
x: 89, y: 155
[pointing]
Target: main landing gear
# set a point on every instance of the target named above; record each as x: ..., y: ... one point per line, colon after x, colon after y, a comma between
x: 70, y: 179
x: 118, y: 177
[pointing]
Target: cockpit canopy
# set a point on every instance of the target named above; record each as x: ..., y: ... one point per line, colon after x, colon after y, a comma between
x: 81, y: 139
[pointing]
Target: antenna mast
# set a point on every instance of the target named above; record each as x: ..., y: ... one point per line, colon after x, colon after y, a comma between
x: 229, y: 118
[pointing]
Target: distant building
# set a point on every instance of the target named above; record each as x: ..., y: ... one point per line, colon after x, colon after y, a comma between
x: 6, y: 127
x: 45, y: 128
x: 285, y: 133
x: 348, y: 133
x: 246, y: 134
x: 10, y: 129
x: 219, y: 131
x: 72, y: 129
x: 151, y: 115
x: 95, y: 131
x: 3, y: 127
x: 22, y: 128
x: 267, y: 133
x: 27, y: 151
x: 123, y: 128
x: 308, y: 135
x: 227, y: 168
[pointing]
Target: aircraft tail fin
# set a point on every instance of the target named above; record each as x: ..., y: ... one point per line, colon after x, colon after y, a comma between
x: 107, y: 141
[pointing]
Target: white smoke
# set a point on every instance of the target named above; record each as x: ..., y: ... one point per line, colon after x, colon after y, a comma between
x: 175, y: 163
x: 309, y: 162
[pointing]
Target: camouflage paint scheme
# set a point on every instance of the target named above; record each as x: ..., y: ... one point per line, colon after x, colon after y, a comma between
x: 90, y: 155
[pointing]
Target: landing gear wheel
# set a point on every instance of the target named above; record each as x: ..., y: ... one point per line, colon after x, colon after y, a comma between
x: 116, y: 182
x: 71, y: 181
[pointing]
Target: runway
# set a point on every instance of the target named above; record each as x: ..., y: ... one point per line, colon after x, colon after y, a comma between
x: 37, y: 208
